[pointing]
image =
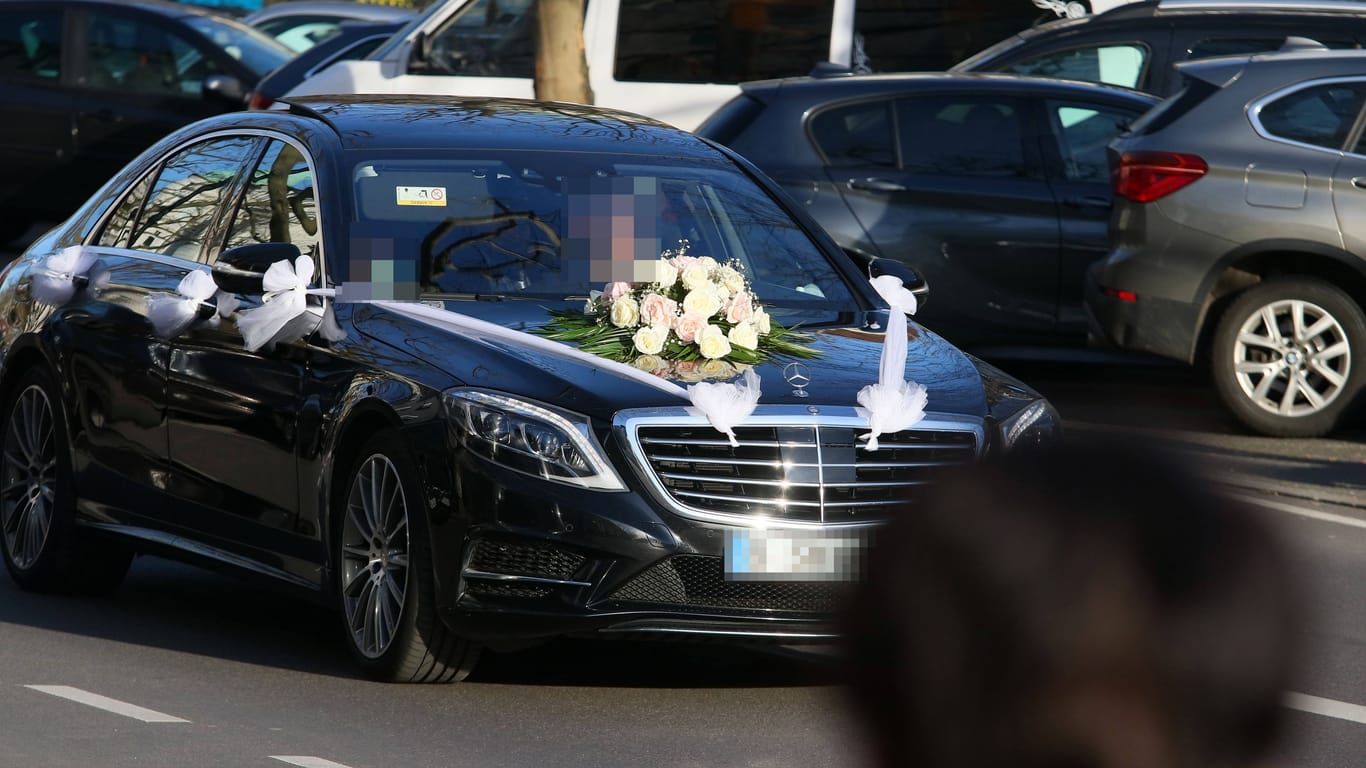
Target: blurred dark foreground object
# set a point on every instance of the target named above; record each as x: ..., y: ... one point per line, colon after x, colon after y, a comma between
x: 1084, y: 607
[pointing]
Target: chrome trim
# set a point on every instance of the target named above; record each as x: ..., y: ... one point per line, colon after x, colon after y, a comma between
x: 485, y: 575
x: 626, y: 424
x: 1254, y: 111
x: 203, y: 550
x: 676, y: 630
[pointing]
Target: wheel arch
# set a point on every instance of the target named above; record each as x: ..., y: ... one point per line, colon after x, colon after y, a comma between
x: 1255, y: 263
x: 364, y: 419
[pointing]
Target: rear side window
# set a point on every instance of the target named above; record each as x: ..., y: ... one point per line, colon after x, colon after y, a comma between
x: 1172, y: 108
x: 857, y: 134
x: 961, y: 136
x: 702, y: 41
x: 1235, y: 46
x: 1321, y: 115
x: 730, y: 121
x: 30, y: 44
x: 1112, y: 64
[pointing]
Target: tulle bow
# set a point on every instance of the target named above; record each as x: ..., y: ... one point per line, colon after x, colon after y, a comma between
x: 172, y: 313
x: 892, y: 404
x: 286, y: 292
x: 726, y: 404
x: 56, y: 281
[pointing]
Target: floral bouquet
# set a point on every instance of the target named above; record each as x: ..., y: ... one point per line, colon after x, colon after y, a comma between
x: 696, y: 310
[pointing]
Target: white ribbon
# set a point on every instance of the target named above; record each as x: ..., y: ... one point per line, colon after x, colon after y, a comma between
x: 726, y: 404
x: 172, y: 313
x: 892, y: 404
x: 285, y: 299
x: 55, y: 282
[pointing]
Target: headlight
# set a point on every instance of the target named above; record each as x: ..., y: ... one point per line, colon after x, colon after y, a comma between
x: 1034, y: 426
x: 532, y: 438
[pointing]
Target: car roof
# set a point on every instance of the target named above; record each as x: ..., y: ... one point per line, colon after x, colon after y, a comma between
x: 352, y: 10
x: 831, y: 87
x: 442, y: 122
x: 162, y: 7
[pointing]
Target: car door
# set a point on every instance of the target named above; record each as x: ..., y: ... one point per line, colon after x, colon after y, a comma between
x: 145, y: 247
x: 130, y: 90
x: 949, y: 183
x: 1073, y: 140
x: 35, y: 136
x: 233, y: 414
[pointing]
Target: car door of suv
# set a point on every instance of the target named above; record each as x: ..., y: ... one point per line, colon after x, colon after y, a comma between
x: 233, y: 414
x: 959, y: 195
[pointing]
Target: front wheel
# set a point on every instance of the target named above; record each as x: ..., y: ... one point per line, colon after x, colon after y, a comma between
x: 1289, y: 357
x: 387, y: 586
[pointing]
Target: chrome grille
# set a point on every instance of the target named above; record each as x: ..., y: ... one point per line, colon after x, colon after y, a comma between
x: 799, y: 472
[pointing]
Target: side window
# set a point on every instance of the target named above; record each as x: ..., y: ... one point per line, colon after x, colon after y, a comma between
x: 961, y: 136
x: 186, y: 195
x: 1082, y: 133
x: 920, y: 36
x: 118, y: 230
x: 278, y: 205
x: 858, y: 134
x: 1112, y: 64
x: 701, y: 41
x: 31, y: 44
x: 490, y: 38
x: 135, y: 56
x: 1233, y: 46
x: 1321, y: 115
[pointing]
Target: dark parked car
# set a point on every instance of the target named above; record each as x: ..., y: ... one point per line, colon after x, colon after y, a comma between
x: 1239, y: 236
x: 85, y: 85
x: 351, y: 40
x: 407, y: 452
x: 994, y: 188
x: 301, y: 24
x: 1135, y: 45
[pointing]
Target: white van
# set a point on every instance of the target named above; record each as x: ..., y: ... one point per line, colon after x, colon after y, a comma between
x: 674, y: 60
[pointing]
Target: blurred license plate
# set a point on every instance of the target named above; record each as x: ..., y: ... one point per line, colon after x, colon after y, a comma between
x: 795, y: 555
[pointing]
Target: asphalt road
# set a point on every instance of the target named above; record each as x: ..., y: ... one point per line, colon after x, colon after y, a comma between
x: 196, y: 669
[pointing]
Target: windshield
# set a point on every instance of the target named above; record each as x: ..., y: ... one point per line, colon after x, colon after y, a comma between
x: 554, y: 225
x: 258, y: 51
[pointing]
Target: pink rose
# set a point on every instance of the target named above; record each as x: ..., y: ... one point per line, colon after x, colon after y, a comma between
x: 741, y: 308
x: 658, y: 310
x: 683, y: 262
x: 687, y: 326
x: 614, y: 291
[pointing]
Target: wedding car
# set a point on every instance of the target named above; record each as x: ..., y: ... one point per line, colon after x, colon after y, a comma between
x: 478, y: 373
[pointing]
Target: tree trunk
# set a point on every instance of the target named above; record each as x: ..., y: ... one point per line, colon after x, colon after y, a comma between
x: 561, y: 69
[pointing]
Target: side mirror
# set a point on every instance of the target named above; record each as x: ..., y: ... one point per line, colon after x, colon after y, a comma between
x: 225, y: 88
x: 421, y: 56
x: 240, y: 269
x: 909, y: 277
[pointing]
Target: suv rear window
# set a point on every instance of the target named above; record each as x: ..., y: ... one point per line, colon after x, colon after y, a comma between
x: 1172, y: 108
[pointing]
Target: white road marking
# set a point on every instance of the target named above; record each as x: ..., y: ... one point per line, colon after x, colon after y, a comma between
x: 307, y: 761
x: 107, y: 704
x: 1326, y: 707
x: 1280, y: 506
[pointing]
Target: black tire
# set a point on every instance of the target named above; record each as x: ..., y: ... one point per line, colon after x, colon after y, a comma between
x: 1289, y: 377
x: 386, y: 572
x: 43, y: 549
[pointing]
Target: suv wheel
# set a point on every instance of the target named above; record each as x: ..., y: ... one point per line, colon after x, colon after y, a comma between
x: 1289, y: 356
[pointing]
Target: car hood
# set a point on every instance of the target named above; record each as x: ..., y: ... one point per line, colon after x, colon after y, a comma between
x: 848, y: 361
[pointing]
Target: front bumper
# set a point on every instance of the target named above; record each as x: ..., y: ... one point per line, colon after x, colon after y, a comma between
x: 1149, y: 324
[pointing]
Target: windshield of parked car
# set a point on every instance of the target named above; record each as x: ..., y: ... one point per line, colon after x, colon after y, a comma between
x: 257, y: 51
x: 558, y: 225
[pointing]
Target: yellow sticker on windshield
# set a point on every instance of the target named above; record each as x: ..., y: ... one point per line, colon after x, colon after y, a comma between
x: 421, y: 196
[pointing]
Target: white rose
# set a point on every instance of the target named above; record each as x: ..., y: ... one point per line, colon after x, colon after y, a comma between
x: 707, y: 262
x: 712, y: 343
x: 744, y: 335
x: 650, y: 339
x: 695, y: 276
x: 761, y: 321
x: 625, y: 312
x: 666, y: 274
x: 731, y: 278
x: 702, y: 301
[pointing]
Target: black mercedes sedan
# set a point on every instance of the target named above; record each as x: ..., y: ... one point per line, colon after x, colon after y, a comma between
x: 310, y: 344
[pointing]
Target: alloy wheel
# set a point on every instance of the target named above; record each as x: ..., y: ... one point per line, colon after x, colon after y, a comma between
x: 375, y: 556
x: 28, y: 481
x: 1292, y: 358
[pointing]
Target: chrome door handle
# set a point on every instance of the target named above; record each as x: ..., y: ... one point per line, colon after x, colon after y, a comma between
x: 876, y: 185
x: 1359, y: 182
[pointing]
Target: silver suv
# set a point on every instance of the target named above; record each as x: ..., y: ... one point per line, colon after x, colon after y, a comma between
x: 1238, y: 235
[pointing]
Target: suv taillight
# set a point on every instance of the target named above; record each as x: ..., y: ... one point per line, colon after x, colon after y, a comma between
x: 1147, y: 176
